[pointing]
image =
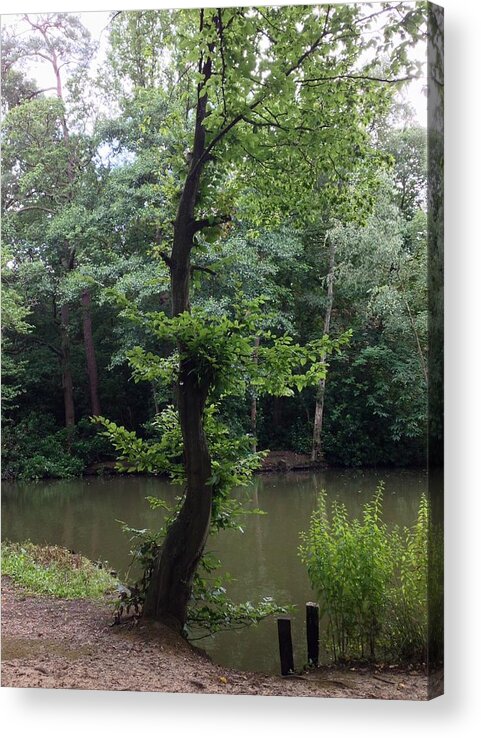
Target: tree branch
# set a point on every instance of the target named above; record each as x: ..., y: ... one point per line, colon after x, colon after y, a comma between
x: 199, y: 268
x: 41, y: 342
x: 35, y: 207
x: 223, y: 132
x: 315, y: 81
x: 166, y: 258
x: 38, y: 92
x: 199, y: 225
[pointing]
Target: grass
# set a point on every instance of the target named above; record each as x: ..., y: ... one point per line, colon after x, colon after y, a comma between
x: 54, y: 571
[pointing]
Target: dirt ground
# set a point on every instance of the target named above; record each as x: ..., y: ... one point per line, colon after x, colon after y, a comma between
x: 284, y: 461
x: 70, y: 644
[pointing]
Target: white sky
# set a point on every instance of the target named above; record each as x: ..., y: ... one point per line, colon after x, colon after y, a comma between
x: 96, y: 23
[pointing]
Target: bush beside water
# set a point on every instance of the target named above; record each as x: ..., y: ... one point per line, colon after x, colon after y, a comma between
x: 55, y: 571
x: 35, y: 448
x: 371, y: 582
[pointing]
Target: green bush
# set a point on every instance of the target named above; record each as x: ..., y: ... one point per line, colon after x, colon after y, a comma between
x: 54, y: 571
x: 406, y: 626
x: 371, y: 582
x: 35, y: 448
x: 59, y: 465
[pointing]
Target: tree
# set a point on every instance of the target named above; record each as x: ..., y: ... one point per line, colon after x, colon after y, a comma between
x: 15, y: 315
x: 316, y: 454
x: 267, y: 91
x: 376, y: 396
x: 16, y: 86
x: 44, y: 188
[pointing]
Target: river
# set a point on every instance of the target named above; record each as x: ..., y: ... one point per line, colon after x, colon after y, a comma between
x: 81, y: 514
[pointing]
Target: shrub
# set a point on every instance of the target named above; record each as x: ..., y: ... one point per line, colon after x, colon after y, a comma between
x: 407, y: 624
x: 35, y: 448
x: 371, y: 582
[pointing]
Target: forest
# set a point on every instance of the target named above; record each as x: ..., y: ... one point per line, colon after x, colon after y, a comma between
x: 215, y: 263
x: 284, y: 134
x: 222, y: 348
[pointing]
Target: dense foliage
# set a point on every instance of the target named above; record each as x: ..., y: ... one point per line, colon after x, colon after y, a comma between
x: 89, y: 198
x: 238, y: 214
x: 372, y: 582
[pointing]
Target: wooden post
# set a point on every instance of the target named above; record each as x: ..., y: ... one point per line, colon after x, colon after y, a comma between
x: 312, y: 631
x: 285, y: 645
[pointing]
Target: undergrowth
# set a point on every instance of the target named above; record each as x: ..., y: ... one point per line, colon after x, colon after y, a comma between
x: 55, y: 571
x: 371, y: 581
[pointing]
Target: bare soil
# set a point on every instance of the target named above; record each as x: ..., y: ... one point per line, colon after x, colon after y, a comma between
x: 284, y: 461
x: 71, y: 644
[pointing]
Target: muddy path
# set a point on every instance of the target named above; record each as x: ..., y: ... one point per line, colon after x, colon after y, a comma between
x: 70, y: 644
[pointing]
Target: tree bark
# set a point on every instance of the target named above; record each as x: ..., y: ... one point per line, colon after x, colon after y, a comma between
x: 67, y: 383
x: 316, y: 453
x: 175, y: 565
x: 90, y: 352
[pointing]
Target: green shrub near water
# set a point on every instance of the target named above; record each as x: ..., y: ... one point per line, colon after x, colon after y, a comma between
x: 36, y: 449
x: 371, y: 581
x: 54, y: 571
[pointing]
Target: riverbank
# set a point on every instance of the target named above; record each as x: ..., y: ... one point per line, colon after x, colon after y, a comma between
x: 275, y: 461
x: 70, y: 644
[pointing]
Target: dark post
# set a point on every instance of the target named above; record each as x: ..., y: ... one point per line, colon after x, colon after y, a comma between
x: 285, y: 645
x: 312, y: 631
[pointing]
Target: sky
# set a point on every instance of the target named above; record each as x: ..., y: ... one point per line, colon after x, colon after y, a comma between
x: 97, y: 24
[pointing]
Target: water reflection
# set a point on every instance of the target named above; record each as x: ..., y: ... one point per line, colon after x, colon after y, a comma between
x: 81, y: 515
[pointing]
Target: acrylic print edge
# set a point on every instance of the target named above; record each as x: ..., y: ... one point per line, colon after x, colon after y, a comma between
x: 435, y: 133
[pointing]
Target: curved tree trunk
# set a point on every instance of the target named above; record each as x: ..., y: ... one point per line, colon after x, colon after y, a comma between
x: 171, y: 582
x: 174, y: 569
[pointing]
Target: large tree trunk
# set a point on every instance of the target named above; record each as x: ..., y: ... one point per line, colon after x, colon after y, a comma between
x: 90, y: 352
x: 174, y: 568
x: 67, y: 383
x: 171, y: 583
x: 316, y: 454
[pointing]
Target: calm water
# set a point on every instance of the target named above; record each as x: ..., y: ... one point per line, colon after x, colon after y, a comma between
x: 81, y: 515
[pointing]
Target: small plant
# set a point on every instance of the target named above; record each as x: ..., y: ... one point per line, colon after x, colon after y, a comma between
x: 407, y: 624
x: 371, y: 582
x: 211, y: 610
x: 55, y: 571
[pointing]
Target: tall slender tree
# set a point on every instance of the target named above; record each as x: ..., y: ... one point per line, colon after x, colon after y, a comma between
x: 316, y: 453
x: 269, y: 90
x: 60, y: 41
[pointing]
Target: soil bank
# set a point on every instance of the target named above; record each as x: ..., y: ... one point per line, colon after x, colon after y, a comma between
x: 70, y: 644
